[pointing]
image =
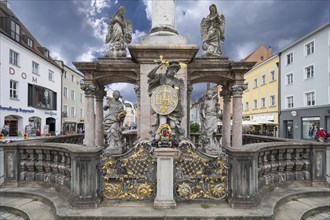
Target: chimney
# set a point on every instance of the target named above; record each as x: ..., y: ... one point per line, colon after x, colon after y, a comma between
x: 270, y: 52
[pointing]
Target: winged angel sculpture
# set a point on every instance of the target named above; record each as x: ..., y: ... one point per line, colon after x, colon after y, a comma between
x: 212, y: 31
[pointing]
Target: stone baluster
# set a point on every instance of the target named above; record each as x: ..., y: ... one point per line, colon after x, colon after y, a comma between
x: 67, y: 180
x: 61, y: 168
x: 237, y: 91
x: 281, y: 165
x: 47, y: 165
x: 30, y: 164
x: 274, y: 165
x: 307, y: 165
x: 261, y: 170
x: 23, y: 168
x: 299, y: 175
x: 289, y: 165
x: 89, y: 89
x: 40, y: 165
x: 226, y: 127
x: 267, y: 166
x: 54, y: 166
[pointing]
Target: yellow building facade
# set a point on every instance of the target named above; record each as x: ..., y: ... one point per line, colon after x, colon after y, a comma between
x: 260, y: 100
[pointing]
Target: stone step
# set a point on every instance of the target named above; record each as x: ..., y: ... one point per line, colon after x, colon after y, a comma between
x: 33, y: 208
x: 295, y: 208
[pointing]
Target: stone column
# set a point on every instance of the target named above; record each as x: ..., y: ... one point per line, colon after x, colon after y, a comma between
x: 138, y: 109
x: 226, y: 127
x: 237, y: 114
x: 163, y: 17
x: 99, y: 130
x: 89, y: 89
x: 189, y: 91
x: 165, y: 175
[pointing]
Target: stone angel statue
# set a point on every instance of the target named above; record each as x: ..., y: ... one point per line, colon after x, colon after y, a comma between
x: 119, y: 34
x: 212, y: 32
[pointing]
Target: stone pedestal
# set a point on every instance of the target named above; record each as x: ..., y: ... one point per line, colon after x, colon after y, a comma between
x: 165, y: 166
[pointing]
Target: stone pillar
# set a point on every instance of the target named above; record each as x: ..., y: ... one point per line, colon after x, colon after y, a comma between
x: 89, y: 89
x: 85, y: 178
x: 237, y: 114
x: 165, y: 175
x: 163, y: 17
x: 99, y: 130
x: 243, y: 179
x: 226, y: 126
x: 11, y: 166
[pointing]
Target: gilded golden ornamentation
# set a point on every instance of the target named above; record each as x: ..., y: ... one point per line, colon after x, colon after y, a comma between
x: 130, y: 176
x: 199, y: 176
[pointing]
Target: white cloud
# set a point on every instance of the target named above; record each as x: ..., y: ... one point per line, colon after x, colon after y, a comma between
x: 148, y: 9
x: 92, y: 53
x: 136, y: 36
x: 243, y: 50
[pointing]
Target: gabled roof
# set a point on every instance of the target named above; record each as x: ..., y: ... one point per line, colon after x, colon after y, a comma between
x: 38, y: 49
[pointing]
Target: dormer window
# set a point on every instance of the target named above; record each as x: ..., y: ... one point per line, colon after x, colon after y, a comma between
x: 15, y: 31
x: 46, y: 53
x: 30, y: 42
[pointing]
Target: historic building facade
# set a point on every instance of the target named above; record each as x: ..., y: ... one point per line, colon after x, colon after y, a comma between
x: 72, y: 100
x: 305, y: 85
x: 260, y: 99
x: 30, y: 81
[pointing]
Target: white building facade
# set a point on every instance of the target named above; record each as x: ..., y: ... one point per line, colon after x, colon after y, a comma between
x: 305, y: 85
x: 72, y: 100
x: 30, y: 81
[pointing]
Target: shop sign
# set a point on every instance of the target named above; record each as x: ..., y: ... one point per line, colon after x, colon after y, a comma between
x: 51, y: 113
x: 10, y: 108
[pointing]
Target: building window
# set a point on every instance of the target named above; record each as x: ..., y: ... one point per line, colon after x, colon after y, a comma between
x: 289, y: 102
x: 73, y: 111
x: 310, y: 98
x: 309, y: 48
x: 13, y: 57
x: 289, y: 58
x: 30, y: 42
x: 272, y: 75
x: 72, y: 78
x: 35, y: 68
x: 255, y: 104
x: 65, y: 111
x: 309, y: 72
x: 81, y: 113
x: 289, y: 79
x: 15, y: 31
x: 255, y: 83
x: 310, y: 126
x: 65, y: 92
x: 263, y: 102
x: 50, y: 75
x: 65, y: 74
x: 13, y: 89
x: 81, y: 97
x: 272, y: 100
x: 72, y: 95
x: 246, y: 106
x: 263, y: 79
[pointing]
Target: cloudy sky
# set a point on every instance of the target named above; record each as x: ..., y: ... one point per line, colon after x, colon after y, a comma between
x: 74, y: 30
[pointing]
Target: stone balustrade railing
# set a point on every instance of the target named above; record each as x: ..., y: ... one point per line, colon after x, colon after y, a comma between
x: 254, y: 168
x: 258, y: 167
x: 68, y: 167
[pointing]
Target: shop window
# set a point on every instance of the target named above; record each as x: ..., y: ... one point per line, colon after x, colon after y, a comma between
x: 41, y: 97
x: 310, y: 125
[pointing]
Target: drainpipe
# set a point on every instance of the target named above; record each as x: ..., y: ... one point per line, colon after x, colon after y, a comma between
x: 279, y: 93
x: 62, y: 69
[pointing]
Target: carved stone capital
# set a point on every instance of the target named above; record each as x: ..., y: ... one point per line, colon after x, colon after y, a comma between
x: 100, y: 93
x: 89, y: 89
x: 238, y: 89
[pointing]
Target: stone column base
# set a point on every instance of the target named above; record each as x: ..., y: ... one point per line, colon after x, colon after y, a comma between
x: 164, y: 204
